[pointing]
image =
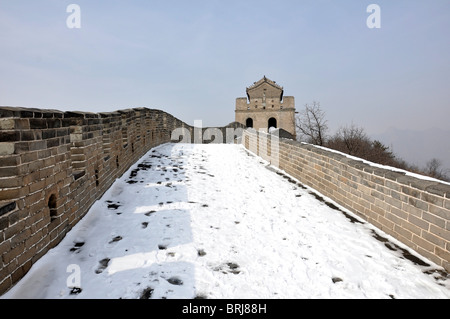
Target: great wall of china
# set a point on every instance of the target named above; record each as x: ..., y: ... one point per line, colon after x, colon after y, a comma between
x: 54, y: 165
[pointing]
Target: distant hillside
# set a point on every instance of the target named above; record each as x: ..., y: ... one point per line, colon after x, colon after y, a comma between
x: 418, y: 147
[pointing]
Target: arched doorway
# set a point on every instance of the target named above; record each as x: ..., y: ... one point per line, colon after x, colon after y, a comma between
x: 272, y: 123
x: 249, y: 123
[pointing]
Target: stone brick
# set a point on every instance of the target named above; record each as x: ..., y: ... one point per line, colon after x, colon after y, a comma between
x: 418, y: 203
x: 432, y: 199
x: 447, y: 204
x: 20, y: 271
x: 386, y: 225
x: 400, y: 213
x: 22, y: 124
x: 433, y: 239
x: 37, y: 186
x: 49, y: 133
x: 444, y: 254
x: 9, y: 136
x: 10, y: 193
x: 11, y: 254
x: 419, y: 222
x: 368, y: 198
x: 10, y: 160
x: 29, y: 157
x: 445, y: 234
x: 11, y: 182
x: 394, y: 218
x: 441, y: 212
x: 34, y: 239
x: 410, y: 191
x: 423, y: 243
x: 399, y: 196
x: 7, y: 124
x: 403, y: 232
x: 377, y: 194
x: 368, y: 183
x: 20, y: 237
x: 393, y: 202
x: 54, y: 123
x: 377, y: 180
x: 378, y: 210
x: 37, y: 145
x: 412, y: 228
x: 439, y: 189
x: 38, y: 123
x: 7, y: 148
x: 412, y: 210
x: 433, y: 219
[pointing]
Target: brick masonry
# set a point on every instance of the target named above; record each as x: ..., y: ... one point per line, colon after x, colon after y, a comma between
x: 54, y: 165
x: 414, y: 211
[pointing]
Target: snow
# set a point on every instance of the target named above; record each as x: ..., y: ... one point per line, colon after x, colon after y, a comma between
x: 214, y: 221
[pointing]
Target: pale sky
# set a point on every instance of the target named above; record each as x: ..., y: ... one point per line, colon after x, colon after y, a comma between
x: 194, y: 58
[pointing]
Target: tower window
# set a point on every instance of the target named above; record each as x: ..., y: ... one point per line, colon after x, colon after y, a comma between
x: 249, y: 123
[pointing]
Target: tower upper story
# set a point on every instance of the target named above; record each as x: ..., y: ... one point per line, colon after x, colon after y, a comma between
x: 266, y: 106
x: 264, y: 95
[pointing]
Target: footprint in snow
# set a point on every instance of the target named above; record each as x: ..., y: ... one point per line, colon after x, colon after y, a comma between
x: 227, y: 268
x: 77, y: 246
x: 103, y: 264
x: 146, y: 293
x: 201, y: 252
x: 116, y: 239
x: 175, y: 281
x: 75, y: 290
x: 113, y: 206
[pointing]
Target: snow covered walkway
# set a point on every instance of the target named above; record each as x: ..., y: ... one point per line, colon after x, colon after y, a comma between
x: 214, y: 221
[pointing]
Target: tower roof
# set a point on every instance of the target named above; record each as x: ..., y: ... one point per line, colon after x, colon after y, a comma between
x: 265, y: 87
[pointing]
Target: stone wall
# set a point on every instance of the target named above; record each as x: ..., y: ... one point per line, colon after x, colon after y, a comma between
x: 54, y: 165
x: 415, y: 211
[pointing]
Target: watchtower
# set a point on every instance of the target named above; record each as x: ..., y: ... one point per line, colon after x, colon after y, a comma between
x: 266, y: 107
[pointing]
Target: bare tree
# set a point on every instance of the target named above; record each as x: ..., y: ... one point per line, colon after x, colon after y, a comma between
x: 351, y: 140
x: 434, y: 169
x: 312, y: 125
x: 354, y: 139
